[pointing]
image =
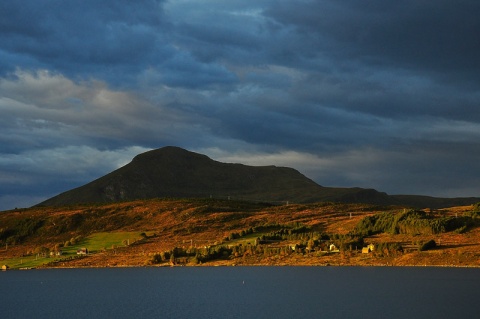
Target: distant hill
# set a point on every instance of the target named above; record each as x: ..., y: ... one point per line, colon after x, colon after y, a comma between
x: 178, y: 173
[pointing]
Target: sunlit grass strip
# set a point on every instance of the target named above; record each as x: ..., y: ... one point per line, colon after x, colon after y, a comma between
x: 94, y: 243
x: 105, y: 240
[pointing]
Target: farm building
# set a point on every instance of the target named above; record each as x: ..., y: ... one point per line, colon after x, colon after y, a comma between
x: 82, y: 251
x: 368, y: 249
x: 333, y: 247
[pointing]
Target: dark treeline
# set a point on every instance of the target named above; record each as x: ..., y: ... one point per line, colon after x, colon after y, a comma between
x: 414, y: 222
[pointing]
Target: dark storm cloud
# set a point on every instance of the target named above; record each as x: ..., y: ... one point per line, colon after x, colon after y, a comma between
x: 112, y: 40
x: 378, y: 48
x: 352, y: 93
x: 81, y: 37
x: 439, y: 36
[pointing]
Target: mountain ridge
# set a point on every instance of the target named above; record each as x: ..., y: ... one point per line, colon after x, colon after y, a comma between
x: 177, y: 173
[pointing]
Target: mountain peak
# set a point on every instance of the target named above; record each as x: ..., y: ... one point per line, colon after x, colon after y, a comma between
x: 169, y: 152
x: 175, y: 172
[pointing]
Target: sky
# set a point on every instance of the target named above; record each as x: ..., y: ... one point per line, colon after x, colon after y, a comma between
x: 374, y: 94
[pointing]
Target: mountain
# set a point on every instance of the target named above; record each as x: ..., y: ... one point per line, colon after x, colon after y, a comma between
x: 175, y: 172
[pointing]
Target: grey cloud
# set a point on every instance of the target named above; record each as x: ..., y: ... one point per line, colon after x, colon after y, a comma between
x: 80, y: 36
x: 43, y: 109
x: 184, y: 71
x: 115, y: 41
x: 389, y: 95
x: 434, y: 36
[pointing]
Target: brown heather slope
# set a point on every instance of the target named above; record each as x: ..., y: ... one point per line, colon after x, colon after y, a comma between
x: 172, y: 172
x: 152, y: 227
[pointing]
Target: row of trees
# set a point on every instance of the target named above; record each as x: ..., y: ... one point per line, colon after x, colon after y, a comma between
x: 412, y: 222
x: 295, y: 231
x: 192, y: 254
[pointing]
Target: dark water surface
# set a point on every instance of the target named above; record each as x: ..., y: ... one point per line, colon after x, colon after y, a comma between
x: 241, y: 292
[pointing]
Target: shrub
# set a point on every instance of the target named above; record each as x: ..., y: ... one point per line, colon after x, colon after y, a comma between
x: 165, y: 255
x: 197, y: 259
x: 388, y: 248
x: 234, y: 236
x: 476, y: 207
x: 461, y: 230
x: 156, y: 259
x: 5, y: 233
x: 428, y: 245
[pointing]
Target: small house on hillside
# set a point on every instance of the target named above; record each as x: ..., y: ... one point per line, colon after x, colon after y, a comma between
x: 82, y: 251
x: 5, y: 267
x: 56, y: 253
x: 368, y: 249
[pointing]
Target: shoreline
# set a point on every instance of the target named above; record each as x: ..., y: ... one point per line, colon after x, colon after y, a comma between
x: 250, y: 265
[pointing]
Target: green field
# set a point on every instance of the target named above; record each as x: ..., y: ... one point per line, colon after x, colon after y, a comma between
x: 25, y: 262
x: 104, y: 241
x: 94, y: 243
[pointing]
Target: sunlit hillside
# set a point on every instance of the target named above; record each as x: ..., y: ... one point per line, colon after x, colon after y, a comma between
x: 226, y: 232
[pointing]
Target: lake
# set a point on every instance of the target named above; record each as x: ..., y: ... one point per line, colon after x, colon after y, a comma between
x: 241, y: 292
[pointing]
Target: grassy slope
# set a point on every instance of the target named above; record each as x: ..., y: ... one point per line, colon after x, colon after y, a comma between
x: 199, y: 223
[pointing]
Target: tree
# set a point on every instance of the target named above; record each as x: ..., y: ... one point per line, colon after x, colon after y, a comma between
x: 156, y: 259
x: 311, y: 244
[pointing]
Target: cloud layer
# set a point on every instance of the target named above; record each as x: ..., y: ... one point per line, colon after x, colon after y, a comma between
x: 370, y: 94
